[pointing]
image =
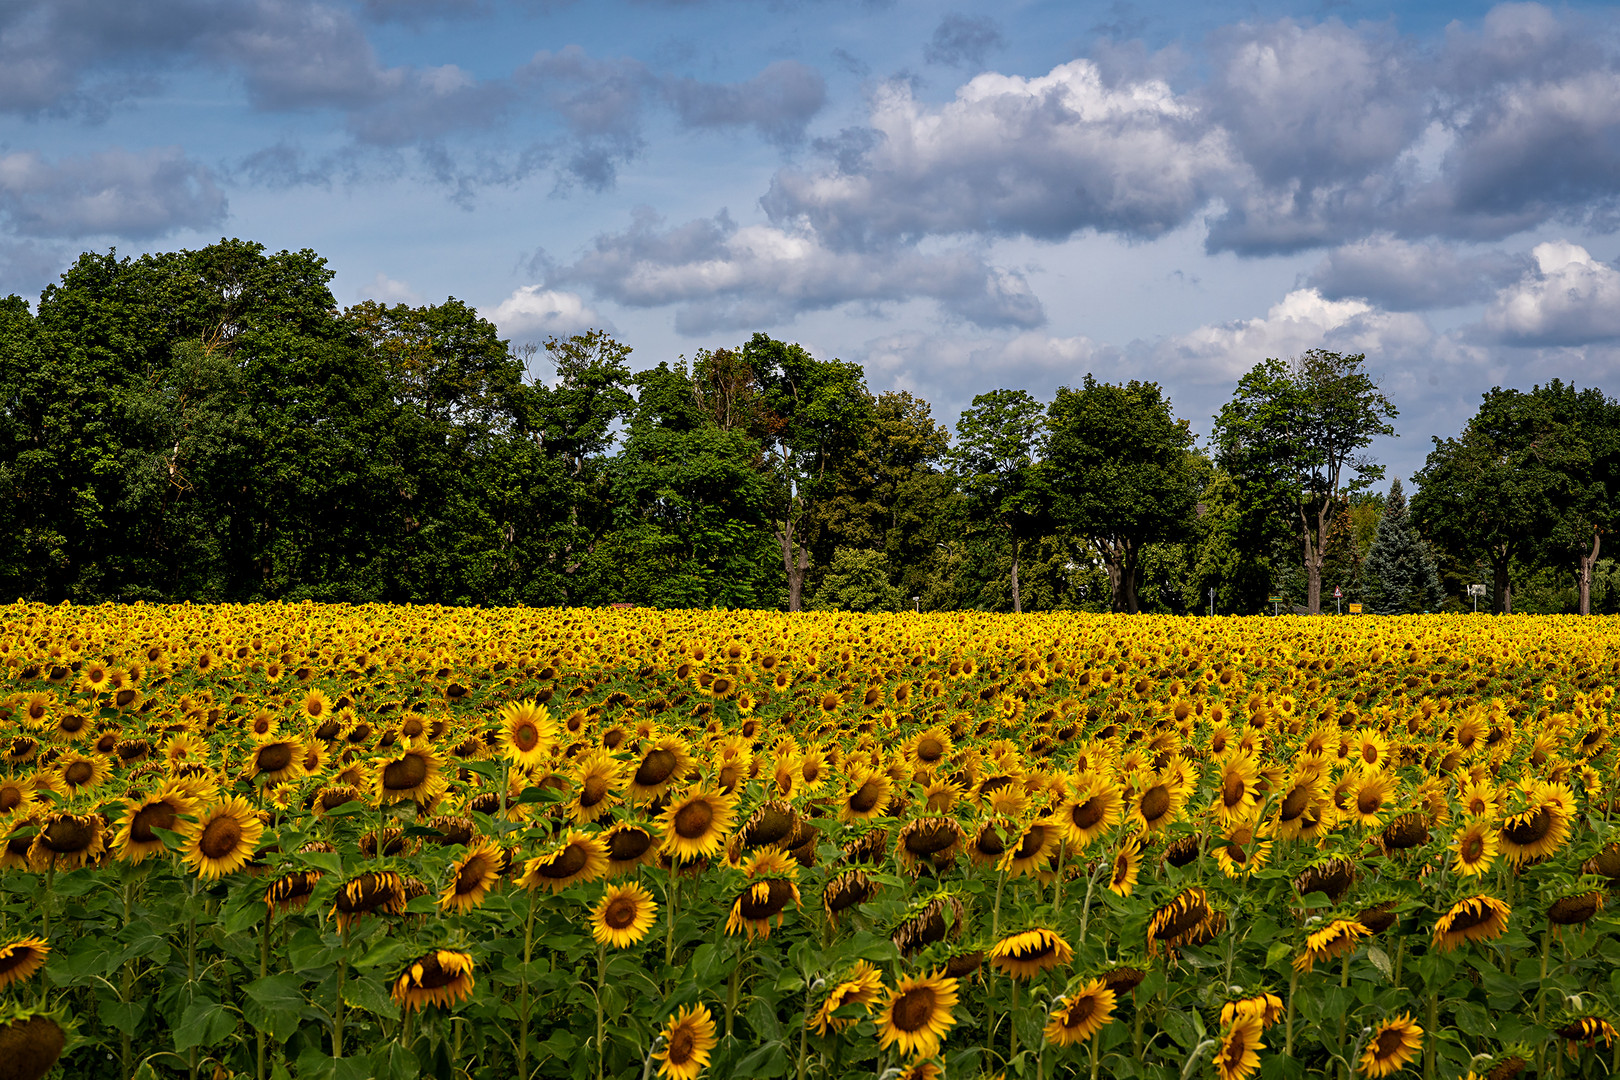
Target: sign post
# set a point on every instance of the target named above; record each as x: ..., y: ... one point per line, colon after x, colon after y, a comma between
x: 1355, y: 609
x: 1338, y: 595
x: 1476, y: 591
x: 1276, y: 604
x: 1212, y: 599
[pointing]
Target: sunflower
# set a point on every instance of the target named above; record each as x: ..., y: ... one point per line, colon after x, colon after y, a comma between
x: 686, y: 1042
x: 1474, y: 847
x: 1238, y: 1054
x: 1078, y: 1016
x: 930, y: 748
x: 527, y: 733
x: 662, y: 764
x: 1127, y: 865
x: 845, y: 890
x: 412, y: 773
x: 1158, y: 804
x: 442, y: 977
x: 1540, y: 830
x: 1028, y: 856
x: 1392, y: 1044
x: 772, y: 872
x: 1241, y: 851
x: 135, y: 840
x: 866, y: 797
x: 16, y: 795
x: 917, y: 1013
x: 696, y: 824
x: 275, y: 760
x: 223, y: 839
x: 1025, y: 955
x: 579, y: 857
x: 1177, y: 920
x: 861, y: 986
x: 1588, y: 1030
x: 927, y: 839
x: 623, y: 916
x: 1371, y: 797
x: 1475, y: 918
x: 82, y: 772
x: 472, y: 876
x: 1575, y: 908
x: 1333, y: 940
x: 628, y: 846
x: 315, y: 707
x: 67, y: 841
x: 1097, y: 806
x: 292, y: 891
x: 598, y: 780
x: 1237, y: 790
x: 1265, y: 1005
x: 21, y: 958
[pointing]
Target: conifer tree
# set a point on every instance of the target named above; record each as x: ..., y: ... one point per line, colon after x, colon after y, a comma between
x: 1400, y: 572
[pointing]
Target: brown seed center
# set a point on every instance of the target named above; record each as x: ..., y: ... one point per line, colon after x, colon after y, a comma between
x: 656, y: 767
x: 682, y: 1045
x: 275, y: 757
x: 620, y: 913
x: 404, y: 774
x: 1528, y: 828
x: 866, y: 796
x: 158, y: 815
x: 78, y: 774
x: 930, y: 749
x: 525, y: 738
x: 566, y: 863
x: 913, y: 1009
x: 692, y: 821
x: 1155, y: 802
x: 1088, y: 813
x: 1233, y: 789
x: 629, y: 844
x: 220, y: 837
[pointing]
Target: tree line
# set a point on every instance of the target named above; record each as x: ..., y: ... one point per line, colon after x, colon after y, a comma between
x: 209, y: 425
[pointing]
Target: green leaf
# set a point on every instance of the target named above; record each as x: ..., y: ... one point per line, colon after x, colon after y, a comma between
x: 282, y: 991
x: 368, y: 994
x: 1380, y: 960
x: 204, y: 1023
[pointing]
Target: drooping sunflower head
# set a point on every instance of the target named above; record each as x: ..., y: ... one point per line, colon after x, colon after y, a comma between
x: 859, y: 987
x: 1028, y: 953
x: 472, y: 876
x: 927, y: 839
x: 373, y: 892
x: 773, y: 890
x: 1474, y: 918
x: 1238, y: 1054
x: 1333, y: 940
x: 1174, y: 921
x: 927, y: 921
x: 31, y: 1040
x: 20, y: 958
x: 411, y: 772
x: 67, y: 841
x: 442, y: 977
x: 1265, y: 1005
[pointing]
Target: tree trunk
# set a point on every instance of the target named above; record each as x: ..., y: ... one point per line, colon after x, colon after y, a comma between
x: 1127, y: 579
x: 1120, y: 559
x: 795, y: 560
x: 1587, y: 563
x: 1018, y: 604
x: 1313, y: 570
x: 1500, y: 585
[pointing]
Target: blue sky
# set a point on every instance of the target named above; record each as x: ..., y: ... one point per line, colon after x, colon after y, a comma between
x: 960, y: 196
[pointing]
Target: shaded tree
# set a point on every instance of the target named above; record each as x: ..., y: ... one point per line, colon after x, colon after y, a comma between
x: 1400, y: 575
x: 996, y: 459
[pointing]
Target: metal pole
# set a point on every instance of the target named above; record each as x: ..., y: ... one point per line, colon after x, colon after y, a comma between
x: 1338, y: 606
x: 1212, y: 599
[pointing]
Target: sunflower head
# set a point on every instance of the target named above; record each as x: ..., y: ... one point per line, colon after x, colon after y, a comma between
x: 1028, y: 953
x: 685, y: 1044
x: 442, y: 977
x: 917, y: 1014
x: 1079, y: 1015
x: 623, y: 916
x: 1390, y: 1046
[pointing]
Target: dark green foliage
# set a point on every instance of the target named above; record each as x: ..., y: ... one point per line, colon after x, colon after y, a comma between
x: 1399, y: 576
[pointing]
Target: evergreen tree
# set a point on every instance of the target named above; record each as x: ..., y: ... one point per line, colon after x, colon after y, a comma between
x: 1399, y: 572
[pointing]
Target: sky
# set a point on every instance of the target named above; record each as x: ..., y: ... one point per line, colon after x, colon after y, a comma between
x: 959, y: 196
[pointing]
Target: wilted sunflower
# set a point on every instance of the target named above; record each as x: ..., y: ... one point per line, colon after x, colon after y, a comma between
x: 1238, y: 1055
x: 1587, y: 1030
x: 442, y: 977
x: 846, y: 890
x: 223, y: 839
x: 1078, y: 1016
x: 623, y: 916
x: 628, y: 846
x: 291, y: 891
x: 1474, y: 847
x: 598, y: 780
x: 135, y: 840
x: 1026, y: 954
x: 368, y: 893
x: 1540, y: 830
x: 21, y: 958
x: 1575, y: 908
x: 31, y: 1041
x: 925, y: 839
x: 527, y: 733
x: 687, y: 1040
x: 861, y: 986
x: 697, y: 822
x: 917, y: 1014
x: 410, y: 773
x: 1173, y: 922
x: 773, y: 889
x: 67, y: 841
x: 1475, y: 918
x: 1096, y: 807
x: 1392, y: 1044
x: 472, y: 876
x: 1333, y: 940
x: 579, y: 857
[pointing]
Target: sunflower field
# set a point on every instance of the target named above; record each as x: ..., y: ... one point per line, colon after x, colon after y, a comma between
x: 295, y: 841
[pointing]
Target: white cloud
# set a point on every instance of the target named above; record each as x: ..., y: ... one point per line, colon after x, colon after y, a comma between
x: 533, y: 312
x: 386, y: 290
x: 142, y: 193
x: 1569, y: 298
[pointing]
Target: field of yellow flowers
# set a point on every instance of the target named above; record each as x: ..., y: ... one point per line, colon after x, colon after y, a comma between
x: 348, y: 842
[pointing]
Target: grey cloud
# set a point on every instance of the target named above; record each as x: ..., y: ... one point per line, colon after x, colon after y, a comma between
x: 282, y: 165
x: 115, y: 192
x: 1567, y: 299
x: 429, y: 103
x: 778, y: 102
x: 1401, y: 276
x: 964, y: 41
x: 722, y: 276
x: 415, y: 12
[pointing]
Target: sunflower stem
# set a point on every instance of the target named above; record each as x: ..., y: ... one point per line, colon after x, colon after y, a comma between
x: 601, y: 982
x: 1541, y: 984
x: 1288, y: 1028
x: 523, y: 992
x: 1096, y: 1053
x: 264, y: 970
x: 733, y: 987
x: 1433, y: 1018
x: 1344, y: 984
x: 337, y: 1008
x: 1012, y: 1025
x: 1085, y: 910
